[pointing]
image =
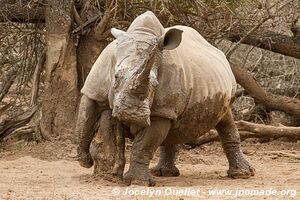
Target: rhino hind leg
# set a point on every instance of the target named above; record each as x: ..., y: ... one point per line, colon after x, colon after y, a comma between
x: 239, y: 167
x: 166, y: 165
x: 87, y: 117
x: 144, y: 145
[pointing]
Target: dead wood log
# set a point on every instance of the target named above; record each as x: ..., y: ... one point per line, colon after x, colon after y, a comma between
x: 278, y: 43
x: 211, y: 136
x: 268, y: 130
x: 8, y: 125
x: 252, y: 130
x: 270, y: 101
x: 289, y: 91
x: 22, y: 133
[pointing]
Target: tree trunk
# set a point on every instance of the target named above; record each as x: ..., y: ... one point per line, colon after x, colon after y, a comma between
x: 59, y: 106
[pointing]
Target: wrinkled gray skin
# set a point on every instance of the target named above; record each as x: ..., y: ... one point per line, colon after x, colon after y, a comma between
x: 169, y: 86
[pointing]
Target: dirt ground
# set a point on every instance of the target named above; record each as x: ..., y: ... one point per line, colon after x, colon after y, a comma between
x: 50, y: 171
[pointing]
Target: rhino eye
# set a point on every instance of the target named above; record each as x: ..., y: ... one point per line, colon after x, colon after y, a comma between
x: 116, y: 76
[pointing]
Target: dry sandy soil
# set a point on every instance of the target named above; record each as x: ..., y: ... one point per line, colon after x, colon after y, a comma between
x: 49, y: 171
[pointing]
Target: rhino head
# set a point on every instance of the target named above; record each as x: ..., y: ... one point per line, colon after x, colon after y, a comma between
x: 136, y: 59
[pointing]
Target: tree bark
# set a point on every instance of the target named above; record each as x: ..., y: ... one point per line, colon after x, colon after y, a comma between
x: 59, y: 106
x: 8, y: 125
x: 278, y: 43
x: 288, y: 91
x: 270, y: 101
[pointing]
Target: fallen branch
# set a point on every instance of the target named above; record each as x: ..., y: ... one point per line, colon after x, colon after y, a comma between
x: 252, y: 130
x: 268, y: 40
x: 8, y: 125
x: 211, y: 136
x: 268, y: 130
x: 289, y: 91
x: 270, y: 101
x: 23, y: 133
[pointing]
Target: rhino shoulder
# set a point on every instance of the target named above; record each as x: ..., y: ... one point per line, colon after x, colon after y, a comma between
x: 98, y: 81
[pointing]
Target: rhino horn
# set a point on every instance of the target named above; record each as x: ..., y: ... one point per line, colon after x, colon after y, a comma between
x: 141, y: 84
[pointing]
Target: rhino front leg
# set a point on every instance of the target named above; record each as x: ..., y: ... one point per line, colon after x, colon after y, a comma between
x: 166, y: 165
x: 144, y: 145
x: 239, y: 167
x: 87, y: 117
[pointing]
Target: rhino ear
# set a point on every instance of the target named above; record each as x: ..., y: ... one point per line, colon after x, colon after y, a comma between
x: 117, y: 33
x: 171, y: 39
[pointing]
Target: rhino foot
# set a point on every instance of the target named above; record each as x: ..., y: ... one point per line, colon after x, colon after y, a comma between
x: 165, y: 170
x: 242, y: 170
x: 84, y: 158
x: 138, y: 175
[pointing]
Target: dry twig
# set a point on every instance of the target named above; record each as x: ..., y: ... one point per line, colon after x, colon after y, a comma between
x: 8, y: 125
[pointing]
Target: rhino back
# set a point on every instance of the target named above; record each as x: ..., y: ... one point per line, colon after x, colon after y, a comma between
x: 194, y: 74
x: 98, y: 81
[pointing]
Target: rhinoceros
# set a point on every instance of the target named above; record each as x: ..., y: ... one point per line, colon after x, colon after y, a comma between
x: 168, y: 86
